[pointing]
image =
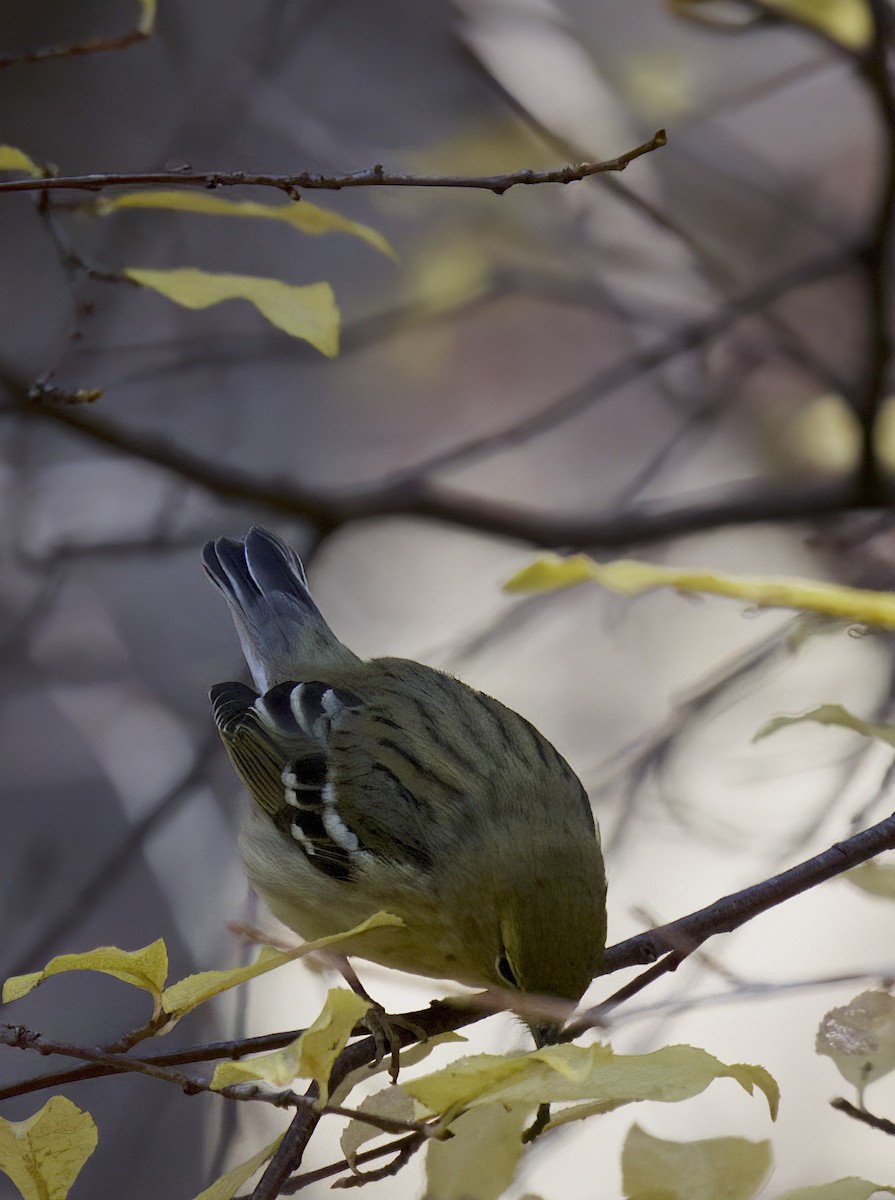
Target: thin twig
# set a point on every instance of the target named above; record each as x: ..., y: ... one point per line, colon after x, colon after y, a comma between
x: 95, y: 45
x: 861, y: 1114
x: 298, y: 1182
x: 410, y: 1146
x: 375, y: 176
x: 22, y: 1038
x: 209, y: 1052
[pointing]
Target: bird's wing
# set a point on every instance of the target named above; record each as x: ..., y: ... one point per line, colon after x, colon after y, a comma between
x: 305, y: 753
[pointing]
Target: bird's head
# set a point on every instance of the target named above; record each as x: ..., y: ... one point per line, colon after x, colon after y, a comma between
x: 552, y: 932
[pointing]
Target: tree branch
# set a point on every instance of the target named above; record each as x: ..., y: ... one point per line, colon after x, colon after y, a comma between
x: 861, y: 1114
x: 375, y: 176
x: 665, y: 948
x: 417, y: 497
x: 95, y: 45
x: 397, y: 1147
x: 680, y: 938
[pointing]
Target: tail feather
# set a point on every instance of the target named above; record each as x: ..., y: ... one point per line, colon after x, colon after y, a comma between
x: 280, y: 628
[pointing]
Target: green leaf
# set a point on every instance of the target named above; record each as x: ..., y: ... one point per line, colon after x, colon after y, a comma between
x: 860, y: 1038
x: 851, y: 1188
x: 185, y: 995
x: 831, y: 714
x: 226, y: 1187
x: 589, y: 1073
x: 146, y: 968
x: 727, y: 1168
x: 480, y: 1161
x: 44, y: 1154
x: 12, y: 159
x: 631, y: 578
x: 307, y: 312
x: 303, y: 216
x: 309, y: 1056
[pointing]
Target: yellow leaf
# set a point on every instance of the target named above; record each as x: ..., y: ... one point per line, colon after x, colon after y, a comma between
x: 146, y: 24
x: 860, y: 1038
x: 731, y: 1167
x: 831, y: 714
x: 847, y: 22
x: 562, y: 1073
x: 231, y: 1181
x: 303, y: 216
x: 146, y: 968
x: 187, y: 994
x: 631, y: 578
x: 309, y: 312
x: 392, y: 1102
x: 851, y: 1188
x: 551, y: 572
x: 479, y: 1162
x: 310, y: 1056
x: 875, y: 878
x: 12, y: 159
x: 43, y: 1155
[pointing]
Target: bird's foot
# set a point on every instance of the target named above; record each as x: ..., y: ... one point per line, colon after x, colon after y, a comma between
x: 384, y: 1029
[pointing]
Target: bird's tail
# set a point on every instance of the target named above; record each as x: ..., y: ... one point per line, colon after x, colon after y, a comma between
x: 280, y: 628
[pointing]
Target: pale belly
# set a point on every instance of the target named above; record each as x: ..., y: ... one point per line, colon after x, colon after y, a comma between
x: 315, y: 905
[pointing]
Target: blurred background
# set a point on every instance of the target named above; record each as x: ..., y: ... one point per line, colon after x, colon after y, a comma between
x: 635, y: 364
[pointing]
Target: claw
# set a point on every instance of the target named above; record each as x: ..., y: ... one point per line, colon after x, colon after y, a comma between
x: 383, y: 1028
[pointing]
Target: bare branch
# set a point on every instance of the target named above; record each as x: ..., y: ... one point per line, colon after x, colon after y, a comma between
x: 21, y: 1038
x: 304, y: 1180
x: 328, y: 511
x: 861, y: 1114
x: 409, y: 1146
x: 678, y: 939
x: 95, y: 45
x: 375, y: 176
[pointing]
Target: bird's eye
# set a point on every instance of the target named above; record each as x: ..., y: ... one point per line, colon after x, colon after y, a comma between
x: 504, y: 970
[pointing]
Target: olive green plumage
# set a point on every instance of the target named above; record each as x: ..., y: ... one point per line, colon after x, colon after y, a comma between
x: 387, y: 785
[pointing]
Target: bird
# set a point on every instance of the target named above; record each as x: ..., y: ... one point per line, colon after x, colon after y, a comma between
x: 389, y: 785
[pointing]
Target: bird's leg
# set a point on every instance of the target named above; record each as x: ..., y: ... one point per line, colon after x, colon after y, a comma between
x: 538, y: 1125
x: 382, y: 1027
x: 545, y: 1033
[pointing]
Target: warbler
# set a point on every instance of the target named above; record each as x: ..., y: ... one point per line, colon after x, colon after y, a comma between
x: 389, y: 785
